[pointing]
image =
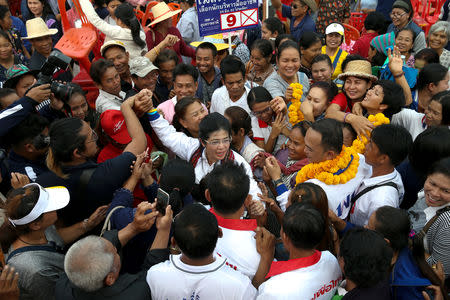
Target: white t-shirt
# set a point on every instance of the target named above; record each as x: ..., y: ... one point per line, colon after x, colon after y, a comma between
x: 413, y: 121
x: 313, y: 277
x: 238, y: 244
x: 174, y: 279
x: 220, y: 100
x: 261, y: 132
x: 340, y: 195
x: 376, y: 198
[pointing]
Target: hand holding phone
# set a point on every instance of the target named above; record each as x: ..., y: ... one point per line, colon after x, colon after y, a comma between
x: 162, y: 200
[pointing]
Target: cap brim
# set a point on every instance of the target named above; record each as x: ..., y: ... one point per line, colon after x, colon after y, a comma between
x: 51, y: 31
x: 59, y: 197
x: 122, y: 137
x: 102, y: 51
x: 165, y: 17
x: 11, y: 82
x: 145, y: 72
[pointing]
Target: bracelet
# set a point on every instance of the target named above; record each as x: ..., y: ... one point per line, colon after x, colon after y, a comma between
x: 399, y: 75
x: 152, y: 111
x: 278, y: 181
x: 85, y: 225
x: 345, y: 117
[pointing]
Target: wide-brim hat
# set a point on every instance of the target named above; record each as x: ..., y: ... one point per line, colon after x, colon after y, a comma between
x: 358, y: 68
x: 14, y: 73
x: 112, y: 43
x: 216, y: 40
x: 37, y: 28
x: 161, y: 12
x: 311, y: 4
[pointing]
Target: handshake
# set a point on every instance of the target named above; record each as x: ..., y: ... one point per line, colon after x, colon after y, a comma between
x: 141, y: 102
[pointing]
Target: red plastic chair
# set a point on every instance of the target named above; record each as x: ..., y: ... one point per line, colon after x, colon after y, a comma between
x: 357, y: 20
x: 350, y: 33
x: 174, y: 6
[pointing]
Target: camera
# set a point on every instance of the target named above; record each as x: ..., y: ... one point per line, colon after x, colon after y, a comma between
x: 56, y: 60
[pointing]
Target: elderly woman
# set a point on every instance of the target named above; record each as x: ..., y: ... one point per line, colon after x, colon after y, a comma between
x: 438, y: 38
x: 401, y: 15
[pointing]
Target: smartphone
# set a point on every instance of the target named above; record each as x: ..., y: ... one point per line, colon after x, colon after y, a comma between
x: 162, y: 200
x: 155, y: 158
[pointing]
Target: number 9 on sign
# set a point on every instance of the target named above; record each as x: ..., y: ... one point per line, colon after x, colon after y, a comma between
x: 230, y: 20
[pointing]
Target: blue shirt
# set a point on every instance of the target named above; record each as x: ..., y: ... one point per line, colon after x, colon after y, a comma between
x: 306, y: 24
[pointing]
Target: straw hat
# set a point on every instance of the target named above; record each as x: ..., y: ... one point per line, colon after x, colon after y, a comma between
x: 161, y: 12
x: 358, y: 68
x: 37, y: 28
x: 216, y: 40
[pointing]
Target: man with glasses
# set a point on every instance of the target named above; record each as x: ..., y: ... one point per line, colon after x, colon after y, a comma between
x: 298, y: 13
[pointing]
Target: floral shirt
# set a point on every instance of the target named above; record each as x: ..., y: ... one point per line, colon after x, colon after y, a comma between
x: 444, y: 59
x: 331, y: 11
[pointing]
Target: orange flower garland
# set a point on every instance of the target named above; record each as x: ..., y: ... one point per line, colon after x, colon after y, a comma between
x: 294, y: 112
x: 343, y: 167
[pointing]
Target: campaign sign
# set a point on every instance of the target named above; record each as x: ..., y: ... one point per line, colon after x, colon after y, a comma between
x: 217, y: 16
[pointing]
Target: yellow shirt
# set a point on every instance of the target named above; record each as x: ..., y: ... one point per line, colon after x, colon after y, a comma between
x: 338, y: 69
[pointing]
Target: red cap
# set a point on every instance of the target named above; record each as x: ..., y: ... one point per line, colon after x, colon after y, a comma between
x: 113, y: 124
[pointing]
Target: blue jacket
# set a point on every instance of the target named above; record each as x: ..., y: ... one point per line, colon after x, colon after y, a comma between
x: 16, y: 113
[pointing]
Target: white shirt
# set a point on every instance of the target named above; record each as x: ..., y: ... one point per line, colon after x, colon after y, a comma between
x: 238, y: 244
x: 413, y: 121
x: 261, y: 132
x: 174, y: 279
x: 313, y: 277
x: 376, y: 198
x: 106, y: 101
x: 340, y: 195
x: 184, y: 147
x: 220, y: 100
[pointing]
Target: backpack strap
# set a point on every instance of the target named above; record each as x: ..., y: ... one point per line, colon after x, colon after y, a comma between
x: 368, y: 189
x: 336, y: 59
x: 107, y: 224
x: 427, y: 226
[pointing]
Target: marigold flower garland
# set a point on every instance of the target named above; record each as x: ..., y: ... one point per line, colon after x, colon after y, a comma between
x: 343, y: 167
x: 294, y: 112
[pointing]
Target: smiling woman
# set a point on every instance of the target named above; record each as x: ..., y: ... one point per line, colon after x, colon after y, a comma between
x: 404, y: 40
x: 438, y: 38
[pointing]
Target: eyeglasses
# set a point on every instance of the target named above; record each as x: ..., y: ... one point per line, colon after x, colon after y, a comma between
x: 393, y: 15
x: 258, y: 113
x: 94, y: 137
x: 225, y: 141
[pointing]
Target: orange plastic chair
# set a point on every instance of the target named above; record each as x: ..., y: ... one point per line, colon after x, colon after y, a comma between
x: 77, y: 42
x: 148, y: 13
x: 357, y: 20
x: 350, y: 33
x: 174, y: 6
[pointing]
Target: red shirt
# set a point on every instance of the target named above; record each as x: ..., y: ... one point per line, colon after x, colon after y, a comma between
x: 361, y: 46
x: 344, y: 104
x: 180, y: 47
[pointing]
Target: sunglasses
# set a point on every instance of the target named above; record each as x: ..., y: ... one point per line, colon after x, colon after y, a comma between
x: 295, y: 6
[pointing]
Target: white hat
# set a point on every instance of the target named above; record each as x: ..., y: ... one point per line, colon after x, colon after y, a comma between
x: 37, y: 28
x: 112, y: 43
x: 335, y: 27
x: 161, y: 12
x: 50, y: 199
x: 141, y: 66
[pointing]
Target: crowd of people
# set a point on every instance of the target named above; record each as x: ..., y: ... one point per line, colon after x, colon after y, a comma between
x: 279, y: 162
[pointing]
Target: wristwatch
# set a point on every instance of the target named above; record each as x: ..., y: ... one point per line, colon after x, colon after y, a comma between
x: 278, y: 182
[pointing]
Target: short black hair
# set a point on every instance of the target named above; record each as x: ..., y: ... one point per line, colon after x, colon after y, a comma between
x: 189, y: 2
x: 232, y: 65
x: 228, y: 185
x: 211, y: 123
x: 263, y: 46
x: 394, y: 224
x: 27, y: 131
x: 286, y: 45
x: 308, y: 39
x: 281, y: 37
x: 98, y: 68
x: 164, y: 56
x: 274, y: 25
x: 441, y: 167
x: 5, y: 92
x: 429, y: 55
x: 331, y: 131
x: 185, y: 69
x: 304, y: 225
x: 196, y: 231
x: 444, y: 99
x: 239, y: 119
x: 392, y: 140
x: 367, y: 257
x: 322, y: 57
x: 394, y: 97
x: 108, y: 1
x: 431, y: 73
x: 329, y: 88
x: 376, y: 21
x: 207, y: 46
x: 257, y: 95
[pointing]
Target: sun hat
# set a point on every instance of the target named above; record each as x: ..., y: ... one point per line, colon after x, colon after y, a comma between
x: 215, y: 39
x: 14, y: 73
x: 113, y: 124
x: 37, y: 28
x: 111, y: 43
x: 50, y: 199
x: 358, y: 68
x: 161, y: 12
x: 335, y: 27
x: 311, y: 4
x: 141, y: 66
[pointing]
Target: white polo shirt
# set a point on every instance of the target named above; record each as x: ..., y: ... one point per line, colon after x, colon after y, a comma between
x: 238, y: 244
x: 378, y: 197
x: 340, y: 195
x: 220, y: 100
x: 313, y: 277
x: 174, y: 279
x: 106, y: 101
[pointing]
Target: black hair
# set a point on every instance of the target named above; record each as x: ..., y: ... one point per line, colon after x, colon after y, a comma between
x: 185, y: 69
x: 64, y: 139
x: 274, y: 25
x: 263, y: 46
x: 322, y: 57
x: 332, y: 136
x: 413, y: 36
x: 393, y: 97
x: 5, y: 35
x: 46, y: 10
x: 392, y: 140
x: 350, y: 128
x: 286, y: 45
x: 281, y: 37
x: 3, y: 11
x: 5, y: 92
x: 303, y: 126
x: 177, y: 179
x: 430, y: 146
x: 231, y: 65
x: 410, y: 11
x: 196, y: 231
x: 164, y: 56
x: 330, y: 89
x: 228, y: 186
x: 376, y: 21
x: 431, y: 73
x: 304, y: 225
x: 308, y: 39
x: 429, y: 55
x: 441, y: 167
x: 124, y: 12
x: 394, y: 224
x: 29, y: 131
x: 98, y: 68
x: 378, y: 59
x: 257, y: 95
x: 108, y: 1
x: 444, y: 99
x: 208, y: 46
x: 349, y: 58
x: 75, y: 89
x: 239, y: 119
x: 367, y: 257
x: 189, y: 2
x: 180, y: 111
x: 211, y: 123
